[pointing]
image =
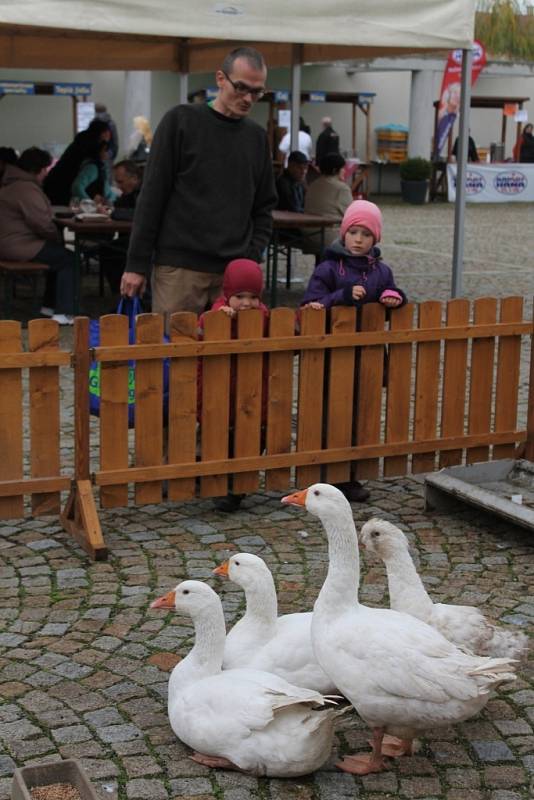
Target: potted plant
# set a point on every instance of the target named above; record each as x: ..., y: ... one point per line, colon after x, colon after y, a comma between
x: 415, y: 175
x: 56, y: 780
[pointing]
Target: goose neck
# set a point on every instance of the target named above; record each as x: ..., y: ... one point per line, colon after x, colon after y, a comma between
x: 206, y: 657
x: 262, y: 603
x: 343, y: 579
x: 406, y: 589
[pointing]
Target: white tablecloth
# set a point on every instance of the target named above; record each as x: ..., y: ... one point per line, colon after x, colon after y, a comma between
x: 495, y: 183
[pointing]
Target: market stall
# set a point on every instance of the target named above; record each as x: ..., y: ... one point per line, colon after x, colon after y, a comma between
x: 439, y: 177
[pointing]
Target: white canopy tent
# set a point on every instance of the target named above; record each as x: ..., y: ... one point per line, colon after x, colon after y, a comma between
x: 193, y: 36
x: 407, y: 25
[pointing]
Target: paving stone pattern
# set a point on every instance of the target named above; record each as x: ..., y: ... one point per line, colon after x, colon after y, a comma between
x: 84, y: 662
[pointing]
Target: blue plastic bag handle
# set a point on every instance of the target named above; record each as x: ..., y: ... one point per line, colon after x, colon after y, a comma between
x: 131, y: 306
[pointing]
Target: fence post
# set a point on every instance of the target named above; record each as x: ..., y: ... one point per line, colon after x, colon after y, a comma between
x: 80, y: 517
x: 529, y: 448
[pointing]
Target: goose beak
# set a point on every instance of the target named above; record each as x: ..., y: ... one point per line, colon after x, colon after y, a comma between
x: 222, y: 569
x: 295, y: 499
x: 167, y: 601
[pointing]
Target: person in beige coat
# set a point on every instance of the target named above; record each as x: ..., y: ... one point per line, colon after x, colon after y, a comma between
x: 328, y: 195
x: 28, y: 233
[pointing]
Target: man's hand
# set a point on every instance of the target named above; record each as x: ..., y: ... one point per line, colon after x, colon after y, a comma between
x: 133, y: 283
x: 358, y: 292
x: 314, y: 304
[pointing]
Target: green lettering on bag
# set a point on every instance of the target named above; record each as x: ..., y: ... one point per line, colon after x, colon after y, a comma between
x: 94, y: 383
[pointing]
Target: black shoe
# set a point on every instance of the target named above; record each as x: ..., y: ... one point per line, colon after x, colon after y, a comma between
x: 228, y: 504
x: 353, y: 491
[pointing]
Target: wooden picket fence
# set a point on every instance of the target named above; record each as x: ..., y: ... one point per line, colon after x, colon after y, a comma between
x: 284, y: 407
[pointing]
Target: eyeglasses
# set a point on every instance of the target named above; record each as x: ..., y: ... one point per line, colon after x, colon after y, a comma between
x: 242, y: 89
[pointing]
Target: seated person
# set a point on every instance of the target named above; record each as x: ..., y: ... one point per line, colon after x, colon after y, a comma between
x: 329, y: 195
x: 92, y: 180
x: 58, y: 182
x: 127, y: 178
x: 28, y: 233
x: 291, y: 184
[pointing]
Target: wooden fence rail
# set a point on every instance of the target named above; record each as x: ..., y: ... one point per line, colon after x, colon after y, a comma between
x: 354, y: 396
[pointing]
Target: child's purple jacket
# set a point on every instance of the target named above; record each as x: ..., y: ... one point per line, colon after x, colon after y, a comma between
x: 332, y: 280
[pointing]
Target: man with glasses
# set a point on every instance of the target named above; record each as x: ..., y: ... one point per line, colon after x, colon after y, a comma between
x: 208, y: 192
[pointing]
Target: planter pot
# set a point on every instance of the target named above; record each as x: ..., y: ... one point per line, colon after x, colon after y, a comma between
x: 414, y: 191
x: 68, y: 771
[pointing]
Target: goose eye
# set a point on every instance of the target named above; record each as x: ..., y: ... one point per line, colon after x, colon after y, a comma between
x: 317, y: 492
x: 375, y: 534
x: 186, y: 591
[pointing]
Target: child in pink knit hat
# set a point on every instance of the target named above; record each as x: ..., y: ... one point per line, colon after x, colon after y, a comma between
x: 353, y: 272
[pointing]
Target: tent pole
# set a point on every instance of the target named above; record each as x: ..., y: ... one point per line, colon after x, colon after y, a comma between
x: 459, y: 209
x: 183, y: 88
x: 183, y: 65
x: 295, y: 96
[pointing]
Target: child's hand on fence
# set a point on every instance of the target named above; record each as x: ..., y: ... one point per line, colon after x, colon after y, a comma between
x: 390, y: 302
x: 317, y: 306
x: 230, y: 312
x: 358, y: 292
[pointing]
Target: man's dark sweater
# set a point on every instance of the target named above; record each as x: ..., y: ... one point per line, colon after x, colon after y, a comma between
x: 207, y: 196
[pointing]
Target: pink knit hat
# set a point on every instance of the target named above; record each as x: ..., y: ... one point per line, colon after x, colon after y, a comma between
x: 242, y: 275
x: 364, y: 213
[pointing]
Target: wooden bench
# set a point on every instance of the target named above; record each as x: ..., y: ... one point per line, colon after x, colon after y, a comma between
x: 10, y: 270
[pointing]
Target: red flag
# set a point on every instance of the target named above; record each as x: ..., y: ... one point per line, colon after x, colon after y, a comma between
x: 451, y: 89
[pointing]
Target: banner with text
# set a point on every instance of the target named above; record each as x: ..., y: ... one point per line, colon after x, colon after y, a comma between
x: 451, y: 90
x: 494, y: 183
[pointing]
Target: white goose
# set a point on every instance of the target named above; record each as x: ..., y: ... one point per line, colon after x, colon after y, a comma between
x: 243, y: 718
x: 401, y: 675
x: 465, y: 626
x: 263, y: 640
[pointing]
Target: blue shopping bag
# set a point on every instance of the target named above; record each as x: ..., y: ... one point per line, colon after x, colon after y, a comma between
x: 130, y: 307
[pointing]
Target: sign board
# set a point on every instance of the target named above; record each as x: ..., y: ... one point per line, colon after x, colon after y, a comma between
x: 85, y: 113
x: 211, y: 94
x: 494, y: 183
x: 284, y: 118
x: 317, y: 97
x: 72, y: 89
x: 17, y: 87
x: 510, y: 109
x: 281, y: 96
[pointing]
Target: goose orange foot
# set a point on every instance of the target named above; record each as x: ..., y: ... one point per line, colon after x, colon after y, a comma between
x: 365, y: 764
x: 362, y: 765
x: 212, y: 761
x: 394, y: 747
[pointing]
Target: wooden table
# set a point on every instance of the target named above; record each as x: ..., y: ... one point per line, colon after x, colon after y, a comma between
x: 282, y: 220
x: 96, y: 230
x: 291, y: 220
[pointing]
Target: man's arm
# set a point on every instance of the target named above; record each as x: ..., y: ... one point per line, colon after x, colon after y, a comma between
x: 264, y: 202
x: 157, y: 186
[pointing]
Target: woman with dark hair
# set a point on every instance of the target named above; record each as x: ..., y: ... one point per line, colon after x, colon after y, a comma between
x: 329, y: 194
x: 58, y: 182
x: 92, y: 181
x: 526, y: 150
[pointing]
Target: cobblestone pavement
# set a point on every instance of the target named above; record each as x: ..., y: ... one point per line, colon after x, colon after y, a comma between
x: 84, y: 662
